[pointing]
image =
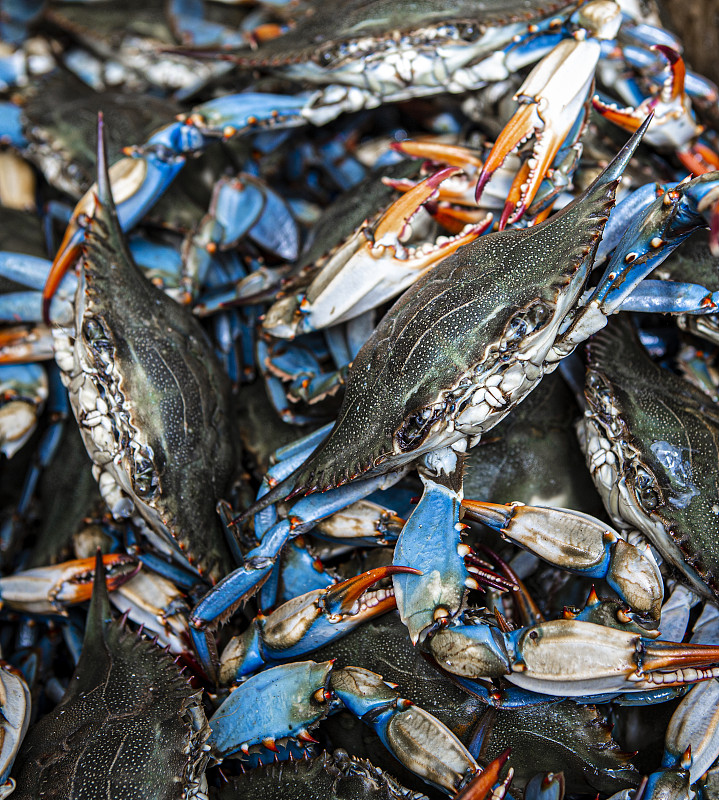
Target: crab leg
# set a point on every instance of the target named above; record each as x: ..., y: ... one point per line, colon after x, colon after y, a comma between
x: 579, y: 658
x: 14, y: 721
x: 673, y: 125
x: 414, y: 736
x: 237, y: 587
x: 649, y: 239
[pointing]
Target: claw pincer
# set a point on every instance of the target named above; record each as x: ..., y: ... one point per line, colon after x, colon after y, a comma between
x: 308, y: 622
x: 282, y: 704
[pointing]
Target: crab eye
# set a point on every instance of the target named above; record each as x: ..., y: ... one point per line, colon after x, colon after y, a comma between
x: 415, y: 428
x: 325, y: 58
x: 523, y: 324
x: 646, y: 491
x: 144, y: 481
x: 470, y: 33
x: 93, y: 330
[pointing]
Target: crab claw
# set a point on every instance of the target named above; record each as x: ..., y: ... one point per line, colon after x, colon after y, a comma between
x: 459, y: 188
x: 374, y: 264
x: 282, y: 701
x: 307, y: 622
x: 674, y: 125
x: 352, y: 597
x: 552, y: 98
x: 482, y: 783
x: 415, y: 737
x: 452, y: 154
x: 47, y: 590
x: 579, y: 543
x: 578, y: 658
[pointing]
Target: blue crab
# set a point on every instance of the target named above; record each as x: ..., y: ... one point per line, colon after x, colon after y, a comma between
x: 134, y: 353
x: 650, y: 440
x: 127, y: 699
x: 498, y: 330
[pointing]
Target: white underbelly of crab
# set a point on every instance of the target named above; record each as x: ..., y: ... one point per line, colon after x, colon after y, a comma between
x: 607, y: 464
x: 106, y: 429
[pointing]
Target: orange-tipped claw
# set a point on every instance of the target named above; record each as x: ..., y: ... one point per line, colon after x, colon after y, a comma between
x: 519, y: 128
x: 394, y: 220
x: 46, y: 590
x: 624, y: 117
x: 454, y: 218
x: 67, y: 254
x: 454, y: 155
x: 481, y: 785
x: 678, y: 70
x: 495, y: 515
x: 698, y: 159
x: 80, y: 574
x: 659, y: 655
x: 340, y: 598
x: 514, y: 196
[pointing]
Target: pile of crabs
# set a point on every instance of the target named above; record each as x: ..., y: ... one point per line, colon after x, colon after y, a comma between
x: 358, y: 401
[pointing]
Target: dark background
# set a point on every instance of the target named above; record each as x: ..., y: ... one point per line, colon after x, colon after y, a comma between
x: 697, y: 24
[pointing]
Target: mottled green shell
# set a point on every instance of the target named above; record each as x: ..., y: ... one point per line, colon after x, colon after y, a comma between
x: 175, y: 391
x: 674, y: 428
x: 128, y: 728
x: 380, y: 19
x: 327, y: 777
x: 447, y: 324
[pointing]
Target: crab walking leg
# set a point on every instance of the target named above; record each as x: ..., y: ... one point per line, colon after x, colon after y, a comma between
x: 578, y: 543
x: 140, y: 179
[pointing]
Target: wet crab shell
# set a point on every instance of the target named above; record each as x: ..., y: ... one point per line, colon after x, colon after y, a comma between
x: 128, y: 726
x: 662, y: 433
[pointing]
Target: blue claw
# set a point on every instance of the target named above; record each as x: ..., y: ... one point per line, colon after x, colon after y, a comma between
x: 413, y: 736
x: 649, y: 238
x: 239, y: 113
x: 307, y: 623
x: 671, y: 297
x: 430, y: 542
x: 279, y: 702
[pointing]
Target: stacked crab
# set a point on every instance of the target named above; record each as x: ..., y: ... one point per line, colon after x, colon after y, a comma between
x: 323, y: 292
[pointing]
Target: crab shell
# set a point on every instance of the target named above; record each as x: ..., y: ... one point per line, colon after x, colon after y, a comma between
x: 463, y: 345
x: 152, y: 402
x: 652, y: 448
x: 128, y: 726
